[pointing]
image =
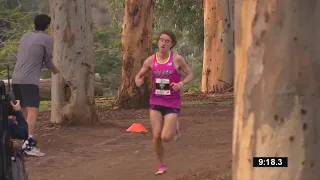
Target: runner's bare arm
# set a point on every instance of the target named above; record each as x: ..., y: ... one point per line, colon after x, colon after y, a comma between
x: 183, y: 66
x: 145, y: 67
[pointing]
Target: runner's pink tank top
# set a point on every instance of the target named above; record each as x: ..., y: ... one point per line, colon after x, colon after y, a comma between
x: 163, y: 74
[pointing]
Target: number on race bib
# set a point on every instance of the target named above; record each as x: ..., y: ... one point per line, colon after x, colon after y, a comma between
x: 163, y: 87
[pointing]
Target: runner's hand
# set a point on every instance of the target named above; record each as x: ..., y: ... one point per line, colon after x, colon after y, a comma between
x: 139, y: 81
x: 16, y: 107
x: 176, y: 86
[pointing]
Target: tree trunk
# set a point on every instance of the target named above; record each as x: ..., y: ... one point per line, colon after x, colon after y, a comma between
x: 136, y: 47
x: 73, y: 89
x: 218, y: 60
x: 277, y: 88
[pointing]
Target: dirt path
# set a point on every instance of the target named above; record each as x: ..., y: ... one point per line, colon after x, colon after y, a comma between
x: 109, y: 153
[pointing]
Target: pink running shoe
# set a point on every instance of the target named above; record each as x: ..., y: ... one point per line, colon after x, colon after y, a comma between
x: 162, y: 169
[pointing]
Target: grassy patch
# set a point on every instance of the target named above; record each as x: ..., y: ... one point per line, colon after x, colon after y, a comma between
x: 104, y: 103
x: 109, y: 102
x: 227, y: 175
x: 109, y: 95
x: 45, y: 106
x: 206, y: 102
x: 193, y: 89
x: 190, y: 103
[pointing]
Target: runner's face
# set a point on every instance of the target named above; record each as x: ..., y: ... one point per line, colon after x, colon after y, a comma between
x: 164, y: 43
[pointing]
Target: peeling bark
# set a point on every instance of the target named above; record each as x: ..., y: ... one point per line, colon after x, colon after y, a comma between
x: 277, y: 88
x: 218, y: 60
x: 136, y: 47
x: 73, y: 89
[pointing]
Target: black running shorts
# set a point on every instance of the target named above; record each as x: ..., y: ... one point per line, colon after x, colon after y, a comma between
x: 164, y: 110
x: 28, y: 94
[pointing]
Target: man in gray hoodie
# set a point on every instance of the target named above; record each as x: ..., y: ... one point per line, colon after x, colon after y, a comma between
x: 34, y: 53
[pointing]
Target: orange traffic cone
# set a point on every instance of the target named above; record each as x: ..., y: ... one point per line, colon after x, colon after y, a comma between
x: 137, y: 127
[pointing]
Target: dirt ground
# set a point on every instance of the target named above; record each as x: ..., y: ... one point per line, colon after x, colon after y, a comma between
x: 108, y: 152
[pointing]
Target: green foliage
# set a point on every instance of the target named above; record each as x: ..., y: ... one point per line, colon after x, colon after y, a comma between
x: 107, y: 50
x: 193, y: 89
x: 107, y: 56
x: 184, y: 16
x: 45, y: 106
x: 13, y: 24
x: 101, y: 103
x: 115, y: 9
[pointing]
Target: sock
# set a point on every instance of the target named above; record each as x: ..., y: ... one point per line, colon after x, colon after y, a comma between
x: 30, y: 136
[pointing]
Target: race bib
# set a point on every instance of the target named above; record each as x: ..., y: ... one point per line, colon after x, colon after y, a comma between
x: 163, y: 87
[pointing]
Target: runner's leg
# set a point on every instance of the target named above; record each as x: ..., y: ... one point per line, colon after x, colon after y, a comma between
x: 178, y: 132
x: 169, y: 129
x: 157, y: 124
x: 156, y: 119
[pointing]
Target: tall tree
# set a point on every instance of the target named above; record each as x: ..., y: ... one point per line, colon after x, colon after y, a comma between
x: 73, y: 90
x: 218, y: 60
x: 277, y: 88
x: 136, y: 47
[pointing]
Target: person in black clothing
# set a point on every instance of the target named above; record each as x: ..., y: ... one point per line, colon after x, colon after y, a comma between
x: 18, y: 126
